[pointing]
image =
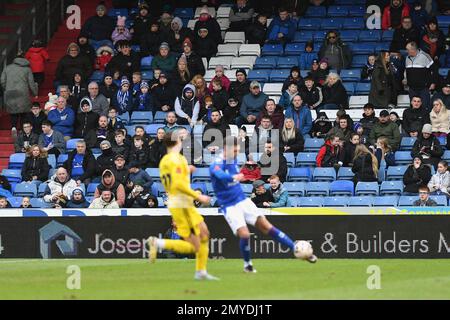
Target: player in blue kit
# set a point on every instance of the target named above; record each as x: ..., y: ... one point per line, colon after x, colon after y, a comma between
x: 237, y: 208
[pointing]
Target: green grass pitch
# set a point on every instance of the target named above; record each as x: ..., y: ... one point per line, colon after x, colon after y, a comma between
x: 276, y: 279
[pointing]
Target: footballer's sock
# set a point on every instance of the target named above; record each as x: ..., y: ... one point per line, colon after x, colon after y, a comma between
x: 244, y: 246
x: 281, y: 237
x: 179, y: 246
x: 201, y: 257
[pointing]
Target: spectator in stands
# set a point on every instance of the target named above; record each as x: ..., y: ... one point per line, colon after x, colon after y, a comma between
x: 419, y: 15
x: 319, y: 74
x: 294, y: 77
x: 282, y: 28
x: 194, y: 61
x: 307, y: 57
x: 164, y: 95
x: 26, y: 138
x: 77, y: 200
x: 120, y: 170
x: 181, y: 76
x: 335, y: 51
x: 331, y: 153
x: 86, y: 120
x: 51, y: 141
x: 165, y: 23
x: 291, y: 139
x: 279, y: 193
x: 121, y: 32
x: 274, y: 111
x: 444, y: 94
x: 142, y: 23
x: 120, y: 146
x: 334, y: 94
x: 367, y: 70
x: 424, y: 198
x: 35, y: 168
x: 151, y: 40
x: 439, y: 119
x: 108, y: 88
x: 114, y: 122
x: 72, y: 101
x: 349, y: 149
x: 363, y: 136
x: 428, y: 147
x: 4, y: 203
x: 288, y: 95
x: 220, y: 75
x: 26, y: 203
x: 157, y: 149
x: 241, y: 86
x: 17, y: 82
x: 343, y: 130
x: 109, y: 183
x: 440, y: 181
x: 231, y: 114
x: 396, y: 119
x: 252, y: 104
x: 415, y: 117
x: 368, y: 119
x: 264, y: 132
x: 105, y: 161
x: 273, y: 162
x: 178, y: 34
x: 417, y: 175
x: 201, y: 90
x: 100, y: 104
x: 126, y: 61
x: 105, y: 200
x: 204, y: 44
x: 383, y: 89
x: 137, y: 198
x: 98, y: 134
x: 241, y: 15
x: 404, y: 35
x: 81, y: 164
x: 73, y: 62
x: 205, y: 21
x: 99, y: 28
x: 219, y: 95
x: 214, y: 132
x: 164, y: 60
x: 385, y: 128
x: 138, y: 176
x: 393, y: 13
x: 321, y: 126
x: 4, y: 184
x: 104, y: 56
x: 340, y: 114
x: 311, y: 94
x: 260, y: 196
x: 301, y: 114
x: 60, y: 188
x: 420, y: 78
x: 78, y: 89
x: 85, y: 48
x: 187, y: 106
x: 433, y: 40
x: 140, y: 131
x: 139, y: 152
x: 257, y: 32
x: 171, y: 122
x: 37, y: 55
x: 251, y: 172
x: 365, y: 165
x: 35, y: 117
x: 63, y: 118
x: 384, y: 153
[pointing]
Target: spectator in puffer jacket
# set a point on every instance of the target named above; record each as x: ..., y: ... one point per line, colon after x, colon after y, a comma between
x: 73, y: 62
x: 35, y: 167
x: 279, y: 193
x: 307, y: 57
x: 37, y: 55
x: 78, y: 200
x: 393, y: 14
x: 428, y: 147
x: 256, y: 33
x: 252, y: 104
x: 288, y: 95
x: 105, y: 200
x: 301, y: 114
x: 282, y: 28
x: 164, y: 60
x: 385, y: 128
x: 60, y: 188
x: 440, y: 181
x: 335, y: 51
x: 331, y: 154
x: 334, y: 94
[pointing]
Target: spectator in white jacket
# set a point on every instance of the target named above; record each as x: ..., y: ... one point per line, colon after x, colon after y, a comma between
x: 440, y: 118
x: 440, y: 181
x: 105, y: 201
x: 60, y: 188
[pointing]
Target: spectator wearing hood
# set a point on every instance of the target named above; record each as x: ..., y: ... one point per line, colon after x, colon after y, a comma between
x: 37, y: 55
x: 294, y: 77
x: 257, y: 32
x: 383, y: 89
x: 241, y: 15
x: 105, y: 200
x: 151, y: 40
x: 108, y: 182
x: 126, y: 61
x: 164, y: 60
x: 99, y: 28
x: 205, y: 21
x: 104, y: 56
x: 439, y: 118
x: 427, y: 146
x: 62, y: 118
x: 335, y: 51
x: 194, y: 61
x: 416, y: 175
x: 204, y: 44
x: 187, y: 107
x: 77, y: 200
x: 241, y: 86
x: 291, y: 139
x: 282, y: 28
x: 78, y: 89
x: 415, y: 116
x: 279, y: 193
x: 178, y: 34
x: 105, y: 161
x: 80, y: 163
x: 252, y: 104
x: 433, y: 40
x: 321, y: 126
x: 121, y: 32
x: 86, y: 120
x: 274, y: 111
x: 334, y: 93
x: 393, y: 14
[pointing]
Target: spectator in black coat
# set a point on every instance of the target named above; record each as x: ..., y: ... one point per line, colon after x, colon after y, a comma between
x: 98, y: 134
x: 204, y: 44
x: 178, y: 34
x: 126, y: 61
x: 86, y: 48
x: 215, y: 132
x: 108, y: 88
x: 311, y: 94
x: 35, y: 167
x: 219, y: 95
x: 120, y: 145
x: 77, y: 200
x: 427, y: 146
x: 321, y: 126
x: 272, y: 157
x: 142, y: 23
x: 181, y: 76
x: 257, y: 32
x: 120, y: 170
x: 25, y: 138
x: 157, y: 149
x: 194, y: 61
x: 417, y: 175
x: 404, y: 35
x: 86, y: 120
x: 261, y: 196
x: 164, y: 95
x: 241, y: 86
x: 36, y: 116
x: 151, y: 40
x: 365, y: 165
x: 433, y: 40
x: 294, y: 77
x: 241, y: 15
x: 350, y: 148
x: 209, y: 23
x: 334, y: 94
x: 291, y: 139
x: 105, y: 161
x: 415, y: 117
x: 138, y: 153
x: 73, y: 62
x: 80, y: 164
x: 100, y: 26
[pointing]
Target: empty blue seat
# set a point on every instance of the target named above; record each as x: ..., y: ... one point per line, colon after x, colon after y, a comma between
x: 125, y: 117
x: 130, y: 130
x: 201, y: 175
x: 354, y: 23
x: 16, y: 160
x: 295, y: 188
x: 356, y: 11
x: 359, y: 61
x: 25, y: 189
x: 147, y: 75
x: 319, y: 35
x: 349, y: 35
x: 279, y: 75
x: 13, y: 175
x: 407, y: 201
x: 387, y: 35
x: 141, y: 117
x: 115, y: 12
x: 363, y: 201
x: 160, y: 117
x: 314, y: 11
x: 349, y: 87
x: 146, y: 63
x: 293, y: 201
x: 441, y: 200
x: 367, y: 189
x: 385, y: 201
x: 363, y: 48
x: 306, y: 159
x: 396, y: 172
x: 39, y: 203
x: 267, y: 62
x: 97, y: 76
x: 272, y: 50
x: 313, y: 144
x: 331, y: 24
x: 41, y: 189
x: 335, y: 201
x: 15, y: 201
x: 446, y: 155
x: 261, y: 75
x: 403, y: 157
x: 341, y: 188
x: 370, y: 35
x: 362, y: 88
x: 91, y: 189
x: 407, y: 143
x: 303, y: 36
x: 391, y: 188
x: 247, y: 188
x: 443, y: 21
x: 380, y: 46
x: 71, y: 144
x: 152, y: 129
x: 442, y: 141
x: 310, y: 202
x: 288, y: 62
x: 350, y: 75
x: 309, y: 23
x: 290, y: 158
x: 299, y: 174
x: 337, y: 11
x: 51, y: 159
x: 136, y: 48
x: 345, y: 173
x: 317, y: 189
x: 324, y: 174
x: 157, y: 189
x: 184, y: 13
x: 199, y: 186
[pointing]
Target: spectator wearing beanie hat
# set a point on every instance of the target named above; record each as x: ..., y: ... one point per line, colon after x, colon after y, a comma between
x: 164, y: 60
x: 123, y: 100
x: 428, y: 147
x: 142, y: 23
x: 178, y: 34
x: 121, y: 32
x: 194, y: 61
x: 241, y: 86
x: 143, y: 101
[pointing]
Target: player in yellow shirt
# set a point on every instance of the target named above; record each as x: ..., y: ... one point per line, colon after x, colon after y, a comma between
x: 175, y: 177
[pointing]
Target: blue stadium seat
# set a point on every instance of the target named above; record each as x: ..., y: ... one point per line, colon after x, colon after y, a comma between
x: 267, y: 62
x: 385, y: 201
x: 294, y: 49
x: 341, y: 188
x: 335, y: 201
x: 310, y: 202
x: 295, y: 188
x: 306, y: 159
x: 201, y: 175
x: 209, y: 188
x: 349, y: 87
x: 349, y: 35
x: 446, y: 155
x: 443, y: 21
x: 125, y: 117
x: 356, y: 11
x: 350, y: 75
x: 324, y: 174
x: 370, y: 35
x: 387, y: 35
x: 288, y: 62
x: 313, y: 144
x: 293, y: 201
x: 359, y: 61
x: 442, y: 141
x: 272, y: 50
x: 331, y: 24
x: 184, y: 13
x: 443, y: 72
x: 135, y: 48
x: 303, y: 36
x: 26, y: 189
x: 363, y: 201
x: 380, y: 46
x: 363, y: 48
x: 403, y: 157
x: 130, y: 129
x: 51, y: 159
x: 367, y: 189
x: 261, y: 75
x: 362, y: 88
x: 395, y: 172
x: 314, y: 11
x: 146, y: 63
x: 13, y: 175
x: 152, y: 129
x: 279, y: 75
x: 354, y: 23
x: 290, y: 158
x: 441, y: 200
x: 160, y: 202
x: 16, y: 160
x: 154, y: 174
x: 391, y: 188
x: 201, y: 186
x: 91, y: 189
x: 15, y: 201
x: 158, y: 189
x: 141, y: 117
x: 345, y: 173
x: 309, y: 24
x: 317, y: 189
x: 71, y: 144
x: 407, y: 143
x: 115, y: 12
x: 299, y: 174
x: 247, y: 188
x: 147, y: 75
x: 160, y: 117
x: 39, y: 203
x: 319, y: 35
x: 407, y: 201
x: 97, y: 76
x: 41, y: 189
x: 337, y: 11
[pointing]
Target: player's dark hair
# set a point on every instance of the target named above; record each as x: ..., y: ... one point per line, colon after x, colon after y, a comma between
x: 171, y: 139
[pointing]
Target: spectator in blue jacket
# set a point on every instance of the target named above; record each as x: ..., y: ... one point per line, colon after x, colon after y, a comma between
x: 288, y: 95
x: 62, y: 118
x: 282, y: 28
x: 123, y: 100
x: 279, y: 193
x: 143, y: 100
x: 419, y: 16
x: 252, y: 104
x: 301, y: 114
x: 307, y: 57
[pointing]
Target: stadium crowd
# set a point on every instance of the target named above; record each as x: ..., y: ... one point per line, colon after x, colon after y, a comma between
x: 115, y: 159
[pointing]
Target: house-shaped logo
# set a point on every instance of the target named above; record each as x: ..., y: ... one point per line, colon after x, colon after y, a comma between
x: 55, y: 230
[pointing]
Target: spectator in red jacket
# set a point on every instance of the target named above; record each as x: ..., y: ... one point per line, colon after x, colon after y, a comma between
x: 393, y: 14
x: 331, y: 153
x: 37, y: 55
x: 251, y: 172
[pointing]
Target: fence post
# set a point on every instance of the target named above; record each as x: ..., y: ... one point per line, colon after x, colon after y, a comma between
x: 47, y: 16
x: 33, y: 23
x: 19, y: 39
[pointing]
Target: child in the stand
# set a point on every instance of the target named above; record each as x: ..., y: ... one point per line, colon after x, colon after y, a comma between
x: 37, y: 55
x: 143, y: 101
x: 367, y: 70
x: 124, y: 99
x: 104, y: 56
x: 121, y: 32
x: 307, y: 57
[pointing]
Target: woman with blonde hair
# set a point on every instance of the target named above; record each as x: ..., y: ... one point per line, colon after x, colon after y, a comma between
x: 200, y: 86
x: 439, y: 118
x: 365, y: 165
x: 334, y: 94
x: 384, y: 153
x: 35, y: 168
x: 181, y: 75
x: 291, y: 139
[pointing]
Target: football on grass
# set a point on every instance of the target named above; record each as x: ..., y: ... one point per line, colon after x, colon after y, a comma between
x: 303, y: 249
